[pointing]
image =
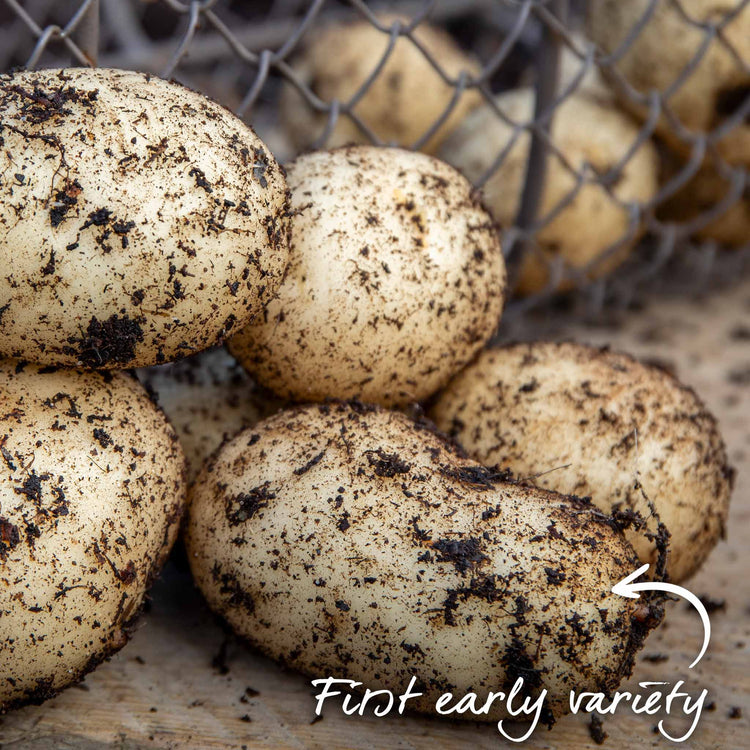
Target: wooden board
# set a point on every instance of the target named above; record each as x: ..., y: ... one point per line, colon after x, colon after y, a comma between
x: 168, y: 689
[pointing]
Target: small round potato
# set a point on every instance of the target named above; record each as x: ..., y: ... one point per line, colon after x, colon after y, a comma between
x: 139, y: 221
x: 593, y: 423
x: 350, y: 541
x: 91, y: 494
x: 406, y: 98
x: 396, y: 280
x: 207, y: 398
x: 588, y: 132
x: 666, y: 46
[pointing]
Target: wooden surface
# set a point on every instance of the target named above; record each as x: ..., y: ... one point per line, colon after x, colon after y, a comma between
x: 168, y: 689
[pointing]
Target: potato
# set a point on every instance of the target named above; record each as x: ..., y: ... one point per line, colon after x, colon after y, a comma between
x: 207, y: 398
x: 395, y: 281
x: 591, y: 84
x: 349, y: 541
x: 407, y: 97
x: 666, y: 46
x: 91, y: 494
x: 586, y: 131
x: 594, y: 423
x: 700, y: 194
x: 139, y: 221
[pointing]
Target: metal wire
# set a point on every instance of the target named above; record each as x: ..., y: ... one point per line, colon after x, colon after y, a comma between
x: 244, y: 53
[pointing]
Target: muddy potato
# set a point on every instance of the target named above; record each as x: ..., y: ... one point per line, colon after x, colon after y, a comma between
x: 406, y: 98
x: 588, y: 421
x: 668, y: 44
x: 139, y: 221
x: 349, y: 541
x: 207, y: 398
x: 91, y: 494
x: 395, y: 281
x: 587, y: 131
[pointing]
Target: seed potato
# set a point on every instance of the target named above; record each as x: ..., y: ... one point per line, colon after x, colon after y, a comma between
x: 395, y: 281
x: 589, y: 133
x: 349, y: 541
x: 666, y: 46
x: 406, y: 98
x: 91, y: 494
x: 139, y: 221
x: 207, y: 398
x: 590, y: 422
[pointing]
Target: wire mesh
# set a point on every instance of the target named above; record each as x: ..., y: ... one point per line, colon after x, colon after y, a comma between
x: 250, y: 55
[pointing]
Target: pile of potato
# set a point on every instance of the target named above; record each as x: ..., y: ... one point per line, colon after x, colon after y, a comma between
x: 141, y: 223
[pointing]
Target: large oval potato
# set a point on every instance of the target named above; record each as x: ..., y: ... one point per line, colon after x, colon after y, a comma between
x: 594, y: 423
x: 396, y: 279
x: 91, y: 494
x: 139, y: 221
x: 407, y: 97
x: 592, y: 136
x: 349, y: 541
x: 670, y: 43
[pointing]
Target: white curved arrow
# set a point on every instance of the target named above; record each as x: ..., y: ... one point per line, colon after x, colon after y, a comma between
x: 626, y: 587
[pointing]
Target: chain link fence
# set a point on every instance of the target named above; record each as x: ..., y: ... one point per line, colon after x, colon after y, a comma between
x: 611, y: 139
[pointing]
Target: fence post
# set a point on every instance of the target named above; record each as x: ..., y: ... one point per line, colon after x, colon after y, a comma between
x: 547, y: 64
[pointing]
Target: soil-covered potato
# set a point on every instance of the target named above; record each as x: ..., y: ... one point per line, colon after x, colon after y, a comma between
x: 396, y: 280
x: 139, y: 221
x: 91, y: 494
x: 591, y: 135
x: 594, y: 423
x: 406, y: 98
x: 207, y: 398
x: 350, y: 541
x: 668, y: 44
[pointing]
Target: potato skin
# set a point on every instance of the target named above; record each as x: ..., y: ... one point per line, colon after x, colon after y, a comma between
x: 587, y: 130
x: 571, y: 410
x: 406, y: 98
x: 349, y: 541
x: 91, y: 494
x: 139, y: 221
x: 396, y: 279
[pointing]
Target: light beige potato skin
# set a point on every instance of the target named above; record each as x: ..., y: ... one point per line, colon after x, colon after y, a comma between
x: 139, y: 221
x: 666, y: 46
x: 586, y: 129
x: 91, y: 494
x: 566, y: 415
x: 396, y: 279
x: 351, y: 542
x: 405, y: 100
x: 207, y: 398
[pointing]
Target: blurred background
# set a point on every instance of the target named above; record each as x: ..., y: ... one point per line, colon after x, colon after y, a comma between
x: 611, y: 140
